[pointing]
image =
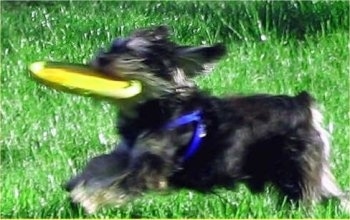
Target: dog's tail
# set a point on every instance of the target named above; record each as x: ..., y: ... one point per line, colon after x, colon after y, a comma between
x: 329, y: 187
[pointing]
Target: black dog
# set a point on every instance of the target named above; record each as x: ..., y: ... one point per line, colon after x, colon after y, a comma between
x: 175, y: 135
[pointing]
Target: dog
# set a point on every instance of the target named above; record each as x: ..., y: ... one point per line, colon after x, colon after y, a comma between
x: 174, y: 135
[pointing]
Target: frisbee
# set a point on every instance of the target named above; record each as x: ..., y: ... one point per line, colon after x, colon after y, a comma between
x: 82, y: 80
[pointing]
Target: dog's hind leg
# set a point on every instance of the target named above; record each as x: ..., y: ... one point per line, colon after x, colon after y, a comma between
x: 304, y: 171
x: 298, y: 164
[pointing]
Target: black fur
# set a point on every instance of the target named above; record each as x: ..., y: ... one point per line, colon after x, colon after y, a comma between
x: 256, y: 140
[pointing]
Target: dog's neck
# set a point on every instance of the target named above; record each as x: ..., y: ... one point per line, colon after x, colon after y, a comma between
x: 129, y: 108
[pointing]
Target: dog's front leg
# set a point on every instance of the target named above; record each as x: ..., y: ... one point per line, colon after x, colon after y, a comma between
x: 98, y: 183
x: 153, y: 161
x: 115, y: 178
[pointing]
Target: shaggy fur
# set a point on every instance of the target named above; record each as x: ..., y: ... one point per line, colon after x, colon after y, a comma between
x: 256, y: 140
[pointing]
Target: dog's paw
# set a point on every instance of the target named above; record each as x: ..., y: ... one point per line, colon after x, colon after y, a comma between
x: 99, y: 182
x: 95, y: 191
x: 93, y: 198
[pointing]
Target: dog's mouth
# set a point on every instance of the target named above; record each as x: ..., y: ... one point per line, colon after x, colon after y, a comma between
x: 83, y: 80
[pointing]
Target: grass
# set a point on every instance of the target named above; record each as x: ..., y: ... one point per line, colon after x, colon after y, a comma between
x: 46, y: 135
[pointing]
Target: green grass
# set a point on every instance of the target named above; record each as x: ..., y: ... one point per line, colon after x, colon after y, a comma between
x: 46, y: 136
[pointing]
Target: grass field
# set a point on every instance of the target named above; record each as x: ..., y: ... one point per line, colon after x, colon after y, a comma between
x: 46, y: 136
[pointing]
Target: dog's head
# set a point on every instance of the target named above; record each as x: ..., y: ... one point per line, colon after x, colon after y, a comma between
x: 159, y: 64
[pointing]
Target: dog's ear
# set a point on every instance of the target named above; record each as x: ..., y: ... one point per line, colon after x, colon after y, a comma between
x: 195, y: 60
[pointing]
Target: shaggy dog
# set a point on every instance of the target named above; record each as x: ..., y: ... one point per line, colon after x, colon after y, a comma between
x: 174, y: 135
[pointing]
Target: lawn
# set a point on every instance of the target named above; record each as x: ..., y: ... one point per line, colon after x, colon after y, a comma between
x: 46, y: 136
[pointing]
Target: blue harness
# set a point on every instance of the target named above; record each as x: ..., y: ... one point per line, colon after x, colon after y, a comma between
x: 199, y: 133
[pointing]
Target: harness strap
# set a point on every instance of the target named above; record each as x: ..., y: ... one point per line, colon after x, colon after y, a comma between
x: 198, y: 134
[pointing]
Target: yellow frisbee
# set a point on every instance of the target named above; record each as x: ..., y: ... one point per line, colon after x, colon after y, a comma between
x: 81, y: 79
